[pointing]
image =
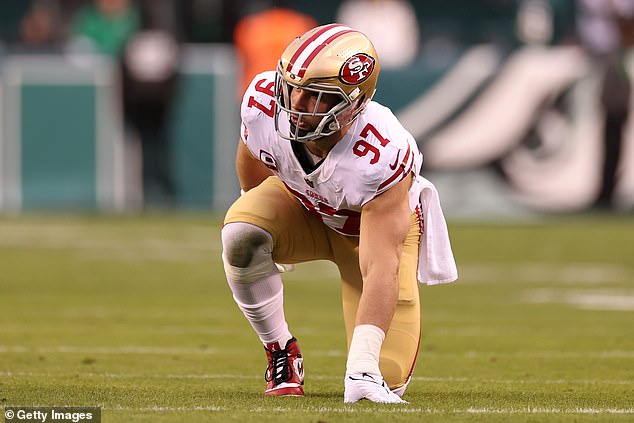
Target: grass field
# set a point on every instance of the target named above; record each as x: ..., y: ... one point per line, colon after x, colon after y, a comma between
x: 132, y: 314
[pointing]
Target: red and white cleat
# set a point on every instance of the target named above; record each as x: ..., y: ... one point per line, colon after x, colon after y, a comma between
x: 285, y: 372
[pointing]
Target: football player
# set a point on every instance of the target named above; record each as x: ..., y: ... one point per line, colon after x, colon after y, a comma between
x: 328, y: 174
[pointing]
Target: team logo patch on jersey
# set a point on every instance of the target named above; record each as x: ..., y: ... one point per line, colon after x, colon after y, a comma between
x: 356, y: 69
x: 268, y: 159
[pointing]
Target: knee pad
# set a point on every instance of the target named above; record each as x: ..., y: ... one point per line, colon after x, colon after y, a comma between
x: 246, y: 252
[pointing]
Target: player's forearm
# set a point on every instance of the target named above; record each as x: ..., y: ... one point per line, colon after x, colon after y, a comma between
x: 379, y: 298
x: 375, y: 312
x: 384, y: 227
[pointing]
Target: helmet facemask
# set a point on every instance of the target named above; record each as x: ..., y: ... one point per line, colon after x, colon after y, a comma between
x: 331, y: 121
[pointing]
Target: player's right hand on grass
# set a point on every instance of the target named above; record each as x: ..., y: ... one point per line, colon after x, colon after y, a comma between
x: 358, y: 386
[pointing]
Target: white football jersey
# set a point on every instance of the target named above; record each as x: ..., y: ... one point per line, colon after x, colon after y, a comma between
x: 374, y: 155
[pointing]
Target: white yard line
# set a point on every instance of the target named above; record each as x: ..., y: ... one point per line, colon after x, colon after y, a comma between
x: 589, y: 299
x: 211, y: 376
x: 390, y: 410
x: 568, y: 273
x: 66, y: 349
x: 111, y: 350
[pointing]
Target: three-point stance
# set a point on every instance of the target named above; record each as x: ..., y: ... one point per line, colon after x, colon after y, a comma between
x: 329, y: 174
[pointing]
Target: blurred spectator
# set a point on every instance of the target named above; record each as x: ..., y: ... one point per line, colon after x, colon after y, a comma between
x: 150, y: 82
x: 606, y: 30
x: 390, y: 24
x: 141, y: 36
x: 535, y: 22
x: 105, y: 26
x: 263, y: 34
x: 39, y: 28
x: 163, y: 15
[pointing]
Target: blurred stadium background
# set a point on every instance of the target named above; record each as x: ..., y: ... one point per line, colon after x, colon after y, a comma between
x: 503, y: 96
x: 106, y: 305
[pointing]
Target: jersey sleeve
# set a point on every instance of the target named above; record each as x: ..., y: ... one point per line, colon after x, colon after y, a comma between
x: 404, y: 160
x: 396, y: 156
x: 257, y: 108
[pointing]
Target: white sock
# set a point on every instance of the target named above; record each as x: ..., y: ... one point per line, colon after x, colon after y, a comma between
x: 365, y: 349
x: 262, y: 303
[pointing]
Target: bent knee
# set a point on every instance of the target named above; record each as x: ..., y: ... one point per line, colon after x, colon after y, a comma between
x: 246, y: 252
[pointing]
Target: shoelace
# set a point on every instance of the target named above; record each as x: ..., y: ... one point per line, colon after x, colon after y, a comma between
x: 279, y: 368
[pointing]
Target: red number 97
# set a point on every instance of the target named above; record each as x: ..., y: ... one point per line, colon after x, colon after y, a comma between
x: 362, y: 148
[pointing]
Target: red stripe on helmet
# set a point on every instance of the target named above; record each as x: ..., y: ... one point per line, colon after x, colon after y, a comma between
x: 307, y: 43
x: 319, y: 48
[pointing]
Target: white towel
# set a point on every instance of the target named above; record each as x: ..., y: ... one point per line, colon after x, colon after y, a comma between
x: 436, y: 263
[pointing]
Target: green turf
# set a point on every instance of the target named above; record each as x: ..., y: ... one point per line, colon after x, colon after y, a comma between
x: 132, y: 314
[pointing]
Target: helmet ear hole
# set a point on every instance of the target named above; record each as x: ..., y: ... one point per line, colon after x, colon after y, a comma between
x: 359, y: 102
x: 350, y: 113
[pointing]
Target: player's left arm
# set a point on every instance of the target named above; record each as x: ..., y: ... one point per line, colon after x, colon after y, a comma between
x: 251, y: 171
x: 385, y: 222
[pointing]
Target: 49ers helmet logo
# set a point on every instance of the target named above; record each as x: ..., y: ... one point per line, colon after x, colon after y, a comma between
x: 356, y: 69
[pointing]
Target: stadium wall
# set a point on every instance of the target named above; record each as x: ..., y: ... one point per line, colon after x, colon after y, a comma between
x: 503, y: 132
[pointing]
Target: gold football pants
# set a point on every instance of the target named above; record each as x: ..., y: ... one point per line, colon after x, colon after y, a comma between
x: 299, y: 236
